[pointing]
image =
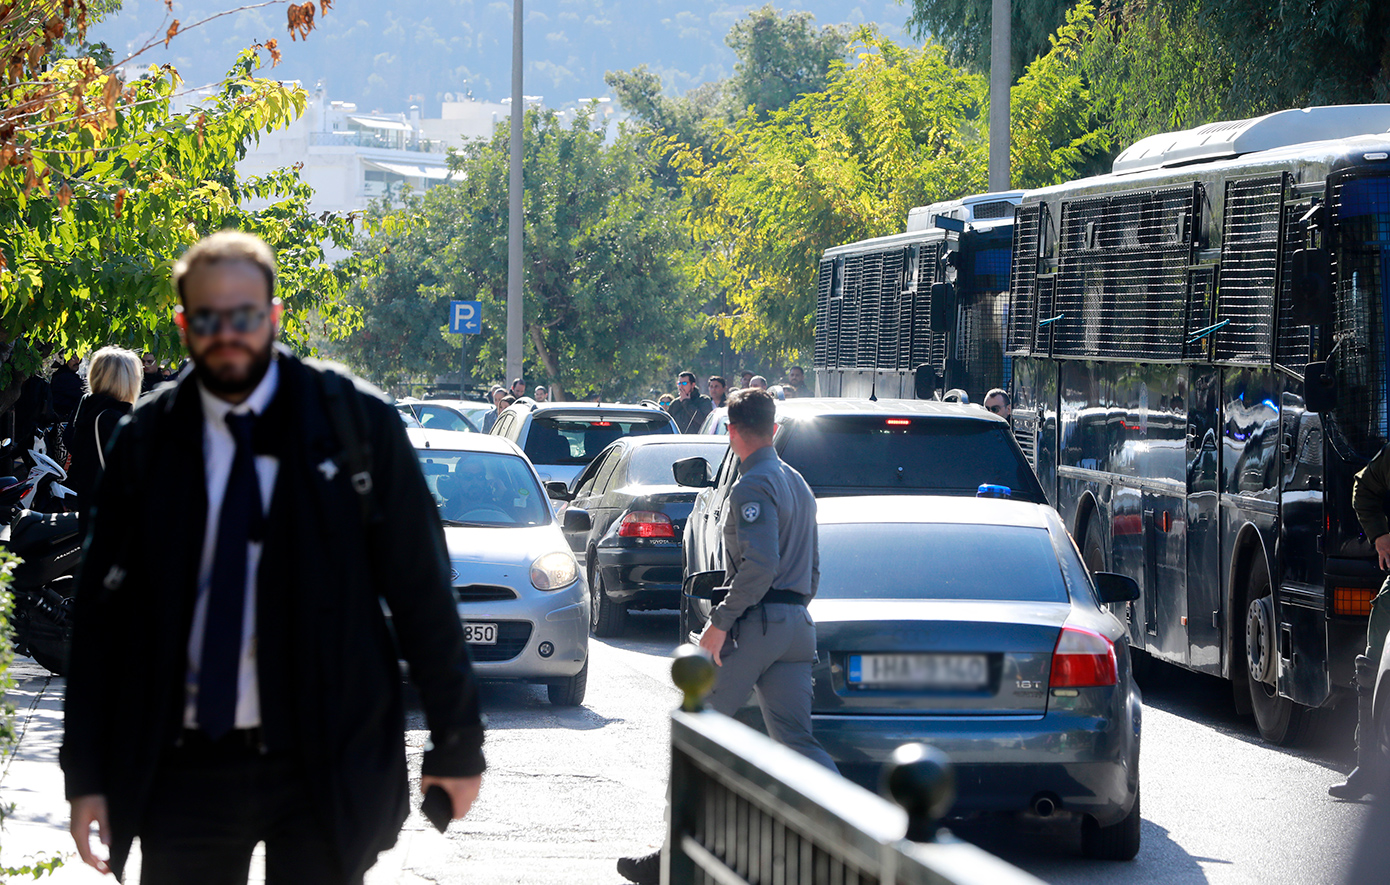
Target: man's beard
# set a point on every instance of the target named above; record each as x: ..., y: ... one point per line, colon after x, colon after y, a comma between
x: 260, y: 362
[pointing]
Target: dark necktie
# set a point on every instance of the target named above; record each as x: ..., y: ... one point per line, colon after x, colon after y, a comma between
x: 241, y: 520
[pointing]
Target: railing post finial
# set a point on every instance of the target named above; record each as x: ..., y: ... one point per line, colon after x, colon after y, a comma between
x: 922, y: 780
x: 693, y: 672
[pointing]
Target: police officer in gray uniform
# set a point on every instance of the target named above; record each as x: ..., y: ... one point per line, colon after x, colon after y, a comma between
x: 761, y: 636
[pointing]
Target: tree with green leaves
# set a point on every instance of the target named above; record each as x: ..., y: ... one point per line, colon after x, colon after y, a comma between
x: 963, y: 27
x: 609, y: 303
x: 902, y: 127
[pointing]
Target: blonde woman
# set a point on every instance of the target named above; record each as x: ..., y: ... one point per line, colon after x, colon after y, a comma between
x: 114, y: 379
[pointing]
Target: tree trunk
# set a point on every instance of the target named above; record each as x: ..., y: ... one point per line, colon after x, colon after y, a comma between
x: 552, y: 368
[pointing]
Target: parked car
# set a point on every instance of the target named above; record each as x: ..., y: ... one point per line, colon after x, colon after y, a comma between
x: 716, y: 422
x: 464, y: 416
x: 867, y: 447
x: 973, y: 625
x: 521, y: 596
x: 632, y: 550
x: 562, y: 438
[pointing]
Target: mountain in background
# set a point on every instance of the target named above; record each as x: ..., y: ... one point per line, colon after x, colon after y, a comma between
x: 388, y: 56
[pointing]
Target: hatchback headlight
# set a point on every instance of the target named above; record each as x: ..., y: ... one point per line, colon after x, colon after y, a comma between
x: 554, y: 571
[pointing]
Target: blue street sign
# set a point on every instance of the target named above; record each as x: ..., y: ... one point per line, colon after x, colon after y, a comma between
x: 465, y: 317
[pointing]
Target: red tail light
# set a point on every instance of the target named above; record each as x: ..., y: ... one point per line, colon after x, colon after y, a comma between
x: 1082, y: 659
x: 646, y: 524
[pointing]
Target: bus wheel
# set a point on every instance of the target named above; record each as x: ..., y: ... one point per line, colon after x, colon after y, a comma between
x: 1279, y: 719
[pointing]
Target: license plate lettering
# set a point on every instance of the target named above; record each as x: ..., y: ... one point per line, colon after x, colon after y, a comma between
x: 480, y: 634
x: 918, y: 671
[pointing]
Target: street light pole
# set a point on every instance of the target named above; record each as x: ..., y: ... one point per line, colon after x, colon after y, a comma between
x: 1000, y: 73
x: 516, y: 221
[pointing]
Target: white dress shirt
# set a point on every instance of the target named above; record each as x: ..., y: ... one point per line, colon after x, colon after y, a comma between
x: 219, y: 450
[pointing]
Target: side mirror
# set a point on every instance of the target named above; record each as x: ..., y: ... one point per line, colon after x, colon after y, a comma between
x: 1319, y: 388
x: 943, y: 307
x: 1310, y: 286
x: 558, y: 491
x: 1116, y: 588
x: 576, y: 521
x: 705, y: 585
x: 692, y: 472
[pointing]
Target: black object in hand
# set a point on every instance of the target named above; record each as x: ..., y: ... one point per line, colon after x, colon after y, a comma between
x: 438, y: 808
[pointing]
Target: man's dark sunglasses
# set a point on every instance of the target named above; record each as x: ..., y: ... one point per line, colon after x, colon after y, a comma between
x: 241, y: 320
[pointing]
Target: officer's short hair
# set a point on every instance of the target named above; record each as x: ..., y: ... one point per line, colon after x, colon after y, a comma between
x: 754, y: 411
x: 224, y: 247
x: 720, y: 379
x: 999, y: 391
x: 690, y: 375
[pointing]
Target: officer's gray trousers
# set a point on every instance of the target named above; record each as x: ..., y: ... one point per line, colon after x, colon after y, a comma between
x: 776, y: 665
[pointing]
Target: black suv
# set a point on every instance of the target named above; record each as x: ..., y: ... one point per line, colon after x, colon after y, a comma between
x: 867, y: 447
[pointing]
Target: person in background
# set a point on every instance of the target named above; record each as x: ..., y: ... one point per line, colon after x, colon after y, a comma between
x: 796, y: 377
x: 497, y: 393
x: 152, y: 374
x: 114, y: 377
x: 691, y: 406
x: 67, y: 387
x: 665, y: 401
x: 757, y: 381
x: 541, y: 394
x: 718, y: 391
x: 745, y: 379
x: 1000, y: 403
x: 518, y: 388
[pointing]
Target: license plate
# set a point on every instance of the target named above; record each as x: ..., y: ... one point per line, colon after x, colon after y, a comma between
x: 480, y: 634
x: 918, y: 671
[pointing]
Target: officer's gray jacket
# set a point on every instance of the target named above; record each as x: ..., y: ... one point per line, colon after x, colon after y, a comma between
x: 770, y: 539
x: 1369, y: 495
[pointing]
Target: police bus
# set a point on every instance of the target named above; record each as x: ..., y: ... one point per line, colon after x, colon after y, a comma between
x: 1198, y: 343
x: 921, y: 312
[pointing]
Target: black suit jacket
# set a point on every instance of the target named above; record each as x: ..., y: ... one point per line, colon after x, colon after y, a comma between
x: 327, y: 664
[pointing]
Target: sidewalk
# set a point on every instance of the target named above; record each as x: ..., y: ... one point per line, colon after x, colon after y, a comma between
x: 38, y: 827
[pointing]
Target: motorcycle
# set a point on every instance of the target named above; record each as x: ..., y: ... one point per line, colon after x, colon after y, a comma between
x: 46, y: 490
x: 44, y: 583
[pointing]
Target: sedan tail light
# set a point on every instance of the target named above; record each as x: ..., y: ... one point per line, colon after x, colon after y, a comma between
x: 1082, y: 659
x: 646, y: 524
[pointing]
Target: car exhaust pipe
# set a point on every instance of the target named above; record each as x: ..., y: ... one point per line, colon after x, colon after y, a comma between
x: 1044, y: 806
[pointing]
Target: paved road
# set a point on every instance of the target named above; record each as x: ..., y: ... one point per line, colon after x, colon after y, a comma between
x: 570, y: 790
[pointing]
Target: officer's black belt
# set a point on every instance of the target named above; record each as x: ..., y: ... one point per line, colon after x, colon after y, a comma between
x: 783, y: 597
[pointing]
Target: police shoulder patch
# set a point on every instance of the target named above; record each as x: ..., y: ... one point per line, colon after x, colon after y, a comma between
x: 751, y: 511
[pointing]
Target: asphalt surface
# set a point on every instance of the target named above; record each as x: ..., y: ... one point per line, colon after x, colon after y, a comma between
x: 569, y: 790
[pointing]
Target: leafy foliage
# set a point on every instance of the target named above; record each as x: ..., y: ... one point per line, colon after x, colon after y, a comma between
x: 608, y: 291
x: 963, y: 27
x: 780, y: 59
x: 901, y: 128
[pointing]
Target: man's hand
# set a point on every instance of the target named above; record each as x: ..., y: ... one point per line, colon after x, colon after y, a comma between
x: 88, y: 810
x: 712, y: 640
x: 1383, y: 552
x: 462, y: 790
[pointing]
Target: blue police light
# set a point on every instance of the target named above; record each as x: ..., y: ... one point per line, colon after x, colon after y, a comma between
x: 992, y: 491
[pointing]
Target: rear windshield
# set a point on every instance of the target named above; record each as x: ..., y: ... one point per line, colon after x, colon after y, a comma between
x: 560, y: 439
x: 938, y: 561
x: 483, y: 488
x: 933, y: 454
x: 651, y: 465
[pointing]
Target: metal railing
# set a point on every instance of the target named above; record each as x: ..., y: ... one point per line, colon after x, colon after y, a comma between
x: 745, y: 810
x: 394, y: 141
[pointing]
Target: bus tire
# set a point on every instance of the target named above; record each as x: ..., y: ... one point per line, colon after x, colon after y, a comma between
x: 1279, y: 720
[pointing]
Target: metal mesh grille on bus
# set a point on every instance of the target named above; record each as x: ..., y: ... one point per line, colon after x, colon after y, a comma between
x: 1294, y: 346
x: 870, y: 295
x: 889, y: 311
x: 1201, y: 289
x: 1359, y: 365
x: 997, y: 209
x: 849, y: 312
x: 825, y: 281
x: 1027, y: 233
x: 928, y: 347
x: 1249, y: 267
x: 1122, y: 275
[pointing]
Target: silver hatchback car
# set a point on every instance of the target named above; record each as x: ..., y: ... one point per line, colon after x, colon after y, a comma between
x: 521, y: 596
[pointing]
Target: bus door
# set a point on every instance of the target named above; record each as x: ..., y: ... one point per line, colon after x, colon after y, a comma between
x: 1203, y: 518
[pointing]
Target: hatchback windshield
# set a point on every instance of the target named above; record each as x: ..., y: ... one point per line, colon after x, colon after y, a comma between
x: 651, y: 465
x: 577, y: 439
x: 483, y: 489
x: 935, y: 454
x: 938, y: 561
